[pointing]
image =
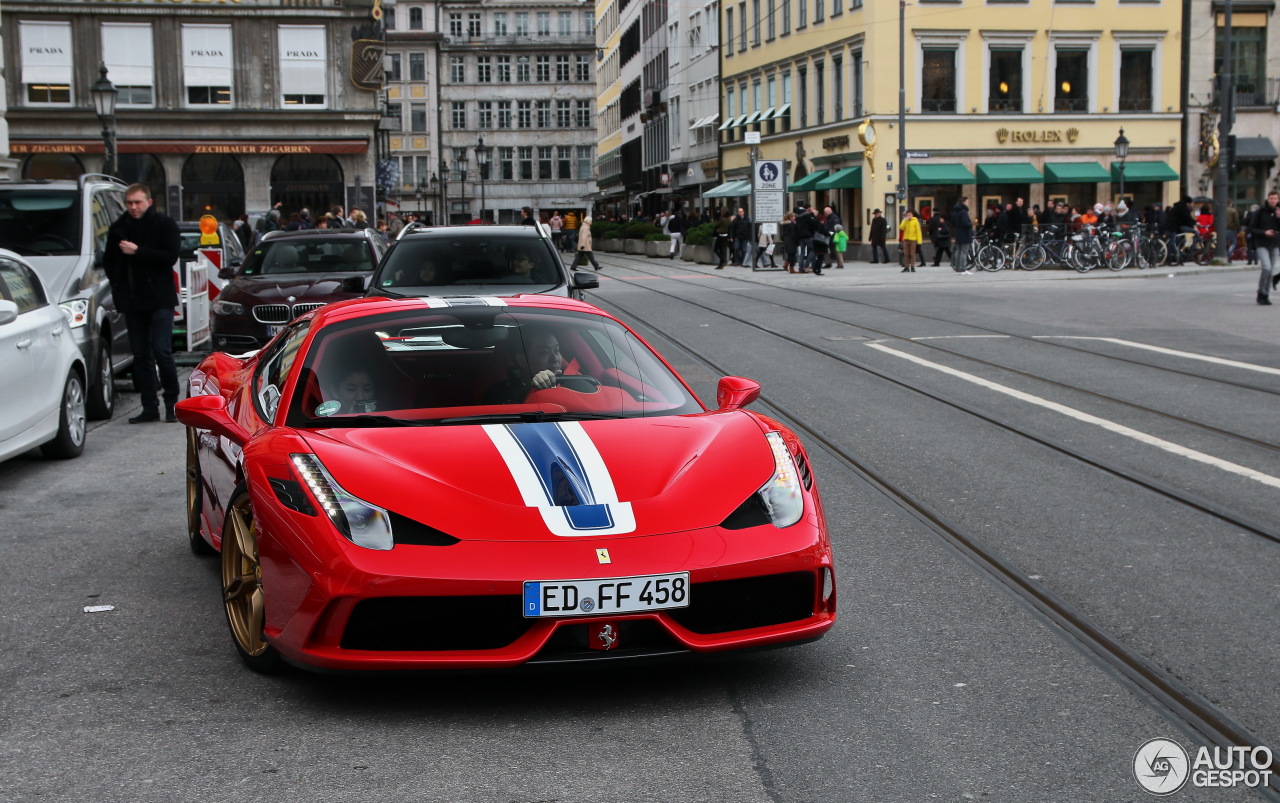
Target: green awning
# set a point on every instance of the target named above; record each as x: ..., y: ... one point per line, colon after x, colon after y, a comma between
x: 1075, y: 173
x: 730, y: 189
x: 1019, y: 173
x: 939, y: 174
x: 846, y: 178
x: 808, y: 183
x: 1144, y: 171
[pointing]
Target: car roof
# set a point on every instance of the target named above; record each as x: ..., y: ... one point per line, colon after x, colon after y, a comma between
x: 64, y: 183
x: 476, y: 232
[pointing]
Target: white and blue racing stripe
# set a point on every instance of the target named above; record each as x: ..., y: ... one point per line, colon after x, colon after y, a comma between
x: 436, y: 302
x: 558, y: 470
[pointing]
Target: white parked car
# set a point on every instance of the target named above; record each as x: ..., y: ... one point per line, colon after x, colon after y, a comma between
x: 42, y: 371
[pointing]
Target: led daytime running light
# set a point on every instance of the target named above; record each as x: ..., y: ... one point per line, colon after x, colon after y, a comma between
x: 360, y: 522
x: 781, y: 494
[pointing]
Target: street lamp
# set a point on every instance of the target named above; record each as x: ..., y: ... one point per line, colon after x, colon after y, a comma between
x: 1122, y: 153
x: 434, y: 186
x: 482, y: 161
x: 444, y: 192
x: 104, y: 96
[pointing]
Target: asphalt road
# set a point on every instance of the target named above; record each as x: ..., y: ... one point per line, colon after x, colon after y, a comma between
x: 936, y: 684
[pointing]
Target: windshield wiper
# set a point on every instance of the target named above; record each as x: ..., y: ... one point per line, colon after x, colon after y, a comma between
x: 531, y: 417
x: 352, y: 421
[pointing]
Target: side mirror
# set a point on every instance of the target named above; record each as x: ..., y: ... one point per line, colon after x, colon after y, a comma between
x: 8, y: 312
x: 736, y: 392
x: 585, y: 280
x: 353, y: 284
x: 227, y: 273
x: 210, y: 412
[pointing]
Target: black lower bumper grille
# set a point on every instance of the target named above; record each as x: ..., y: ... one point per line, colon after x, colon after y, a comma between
x: 723, y: 606
x: 435, y: 623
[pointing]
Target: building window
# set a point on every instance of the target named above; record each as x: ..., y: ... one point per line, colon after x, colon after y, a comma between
x: 802, y: 14
x: 389, y: 17
x: 459, y: 159
x: 564, y: 162
x: 820, y: 93
x: 855, y: 64
x: 544, y: 162
x: 786, y: 102
x: 455, y: 25
x: 504, y: 114
x: 786, y: 17
x: 819, y: 11
x: 772, y: 16
x: 544, y: 113
x: 506, y: 164
x: 458, y: 114
x: 473, y: 25
x: 564, y: 115
x: 397, y: 111
x: 303, y: 66
x: 504, y: 69
x: 584, y: 162
x: 938, y: 81
x: 1135, y: 80
x: 393, y: 74
x: 206, y: 64
x: 1249, y: 54
x: 565, y: 19
x: 457, y: 69
x: 526, y: 162
x: 485, y: 114
x: 543, y: 69
x: 544, y: 23
x: 803, y: 87
x: 562, y: 69
x: 1005, y: 90
x: 126, y: 50
x: 484, y: 69
x: 742, y: 27
x: 837, y: 76
x: 728, y: 29
x: 415, y: 19
x: 755, y: 22
x: 418, y: 117
x: 522, y: 23
x: 584, y: 68
x: 522, y: 69
x: 500, y: 23
x: 584, y: 113
x: 417, y: 66
x: 524, y: 113
x: 836, y: 8
x: 1071, y: 81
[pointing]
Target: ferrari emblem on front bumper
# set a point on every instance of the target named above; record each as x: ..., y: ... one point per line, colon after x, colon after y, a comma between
x: 603, y: 637
x: 602, y: 555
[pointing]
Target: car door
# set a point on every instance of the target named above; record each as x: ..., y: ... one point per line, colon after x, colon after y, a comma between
x: 106, y: 207
x: 29, y: 363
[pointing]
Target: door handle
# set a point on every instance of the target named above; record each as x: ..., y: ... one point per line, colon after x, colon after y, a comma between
x: 56, y: 331
x: 24, y: 343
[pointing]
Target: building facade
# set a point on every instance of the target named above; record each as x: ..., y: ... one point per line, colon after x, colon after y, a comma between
x: 693, y: 36
x: 1256, y: 63
x: 223, y: 107
x: 1003, y: 99
x: 518, y: 78
x: 413, y: 83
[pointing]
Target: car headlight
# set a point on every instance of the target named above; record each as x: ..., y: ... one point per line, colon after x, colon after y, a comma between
x: 782, y: 495
x: 221, y: 307
x: 363, y: 524
x: 76, y: 312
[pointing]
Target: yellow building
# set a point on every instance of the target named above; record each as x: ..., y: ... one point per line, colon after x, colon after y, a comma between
x: 1004, y: 99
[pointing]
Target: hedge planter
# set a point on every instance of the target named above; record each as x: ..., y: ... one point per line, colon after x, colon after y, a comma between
x: 612, y: 246
x: 657, y: 248
x: 698, y: 253
x: 634, y: 247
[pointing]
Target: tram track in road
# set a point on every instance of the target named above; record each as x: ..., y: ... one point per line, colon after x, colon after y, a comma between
x: 632, y: 263
x: 1198, y: 717
x: 1182, y: 496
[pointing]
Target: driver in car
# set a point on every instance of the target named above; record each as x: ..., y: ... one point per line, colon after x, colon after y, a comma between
x: 349, y: 392
x: 538, y: 366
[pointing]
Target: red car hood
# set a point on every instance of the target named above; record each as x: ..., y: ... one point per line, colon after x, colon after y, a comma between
x: 540, y: 481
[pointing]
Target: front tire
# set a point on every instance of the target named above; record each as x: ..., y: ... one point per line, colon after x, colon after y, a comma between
x: 242, y: 594
x: 101, y: 401
x: 195, y: 499
x: 69, y: 442
x: 1033, y: 257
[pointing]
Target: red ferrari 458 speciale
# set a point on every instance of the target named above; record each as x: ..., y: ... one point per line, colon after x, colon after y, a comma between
x: 481, y: 482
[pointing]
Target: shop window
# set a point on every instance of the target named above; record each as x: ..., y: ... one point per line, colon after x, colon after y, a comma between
x: 127, y: 53
x: 206, y: 64
x: 46, y: 61
x: 938, y: 81
x: 1071, y: 90
x: 303, y: 67
x: 1005, y: 81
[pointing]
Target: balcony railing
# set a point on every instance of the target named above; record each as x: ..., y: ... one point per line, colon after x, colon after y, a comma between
x: 1071, y: 105
x: 1135, y: 103
x: 938, y: 105
x: 1005, y: 104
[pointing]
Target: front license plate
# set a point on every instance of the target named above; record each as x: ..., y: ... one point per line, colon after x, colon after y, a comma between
x: 650, y: 592
x: 271, y: 330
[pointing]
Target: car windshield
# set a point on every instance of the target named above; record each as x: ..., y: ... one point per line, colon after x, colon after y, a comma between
x: 40, y: 222
x: 448, y: 365
x: 420, y: 265
x: 309, y: 255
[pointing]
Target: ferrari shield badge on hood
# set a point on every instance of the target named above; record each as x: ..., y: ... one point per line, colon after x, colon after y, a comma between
x: 559, y: 471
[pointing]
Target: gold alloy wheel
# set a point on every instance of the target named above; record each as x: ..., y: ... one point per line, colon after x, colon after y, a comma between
x: 242, y: 579
x: 193, y: 484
